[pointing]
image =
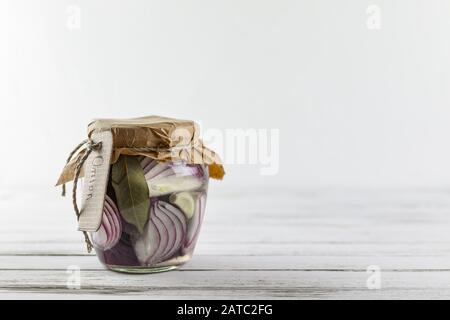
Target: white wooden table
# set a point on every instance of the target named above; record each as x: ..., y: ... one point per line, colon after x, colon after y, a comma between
x: 297, y: 244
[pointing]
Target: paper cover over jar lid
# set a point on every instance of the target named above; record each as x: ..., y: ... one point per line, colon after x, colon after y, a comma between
x: 160, y: 138
x: 148, y: 132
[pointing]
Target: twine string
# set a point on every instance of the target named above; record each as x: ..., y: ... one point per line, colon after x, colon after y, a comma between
x: 74, y: 151
x: 91, y: 146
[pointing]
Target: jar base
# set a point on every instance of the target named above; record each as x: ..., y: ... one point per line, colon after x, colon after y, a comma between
x: 141, y: 270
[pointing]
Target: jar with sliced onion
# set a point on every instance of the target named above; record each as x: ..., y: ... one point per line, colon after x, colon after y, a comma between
x: 164, y: 237
x: 142, y: 210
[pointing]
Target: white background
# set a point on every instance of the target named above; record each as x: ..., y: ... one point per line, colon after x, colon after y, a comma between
x: 355, y: 107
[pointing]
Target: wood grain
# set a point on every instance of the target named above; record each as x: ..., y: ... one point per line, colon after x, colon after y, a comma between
x: 300, y: 244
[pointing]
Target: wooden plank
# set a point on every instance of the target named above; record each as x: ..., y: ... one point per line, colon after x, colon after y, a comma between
x: 225, y: 294
x: 246, y: 263
x: 257, y: 249
x: 258, y: 244
x: 275, y: 235
x: 232, y: 284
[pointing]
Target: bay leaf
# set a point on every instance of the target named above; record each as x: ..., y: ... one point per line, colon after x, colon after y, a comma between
x: 131, y: 189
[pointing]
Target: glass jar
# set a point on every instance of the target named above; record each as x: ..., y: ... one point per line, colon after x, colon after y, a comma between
x: 177, y: 196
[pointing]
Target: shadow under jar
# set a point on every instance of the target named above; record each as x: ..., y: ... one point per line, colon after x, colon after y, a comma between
x: 177, y: 193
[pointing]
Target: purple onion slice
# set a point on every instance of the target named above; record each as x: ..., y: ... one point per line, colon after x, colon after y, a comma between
x: 174, y: 211
x: 163, y: 235
x: 166, y: 177
x: 164, y: 240
x: 170, y: 229
x: 179, y: 222
x: 110, y: 229
x: 113, y: 223
x: 100, y: 238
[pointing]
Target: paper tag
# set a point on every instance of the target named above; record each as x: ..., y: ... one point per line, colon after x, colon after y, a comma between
x: 95, y: 183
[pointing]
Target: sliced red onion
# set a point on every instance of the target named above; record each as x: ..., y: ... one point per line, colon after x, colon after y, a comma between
x: 168, y: 208
x: 169, y: 227
x: 164, y: 240
x: 179, y: 223
x: 107, y: 225
x: 114, y: 221
x: 100, y: 238
x: 166, y: 177
x: 110, y: 229
x: 158, y: 169
x: 163, y: 235
x: 145, y: 161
